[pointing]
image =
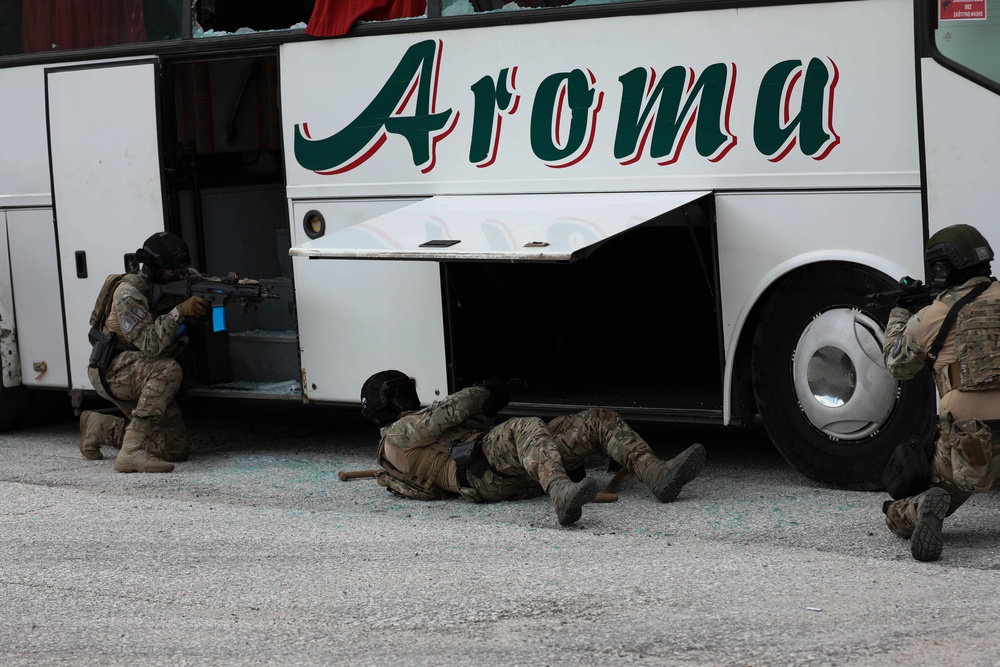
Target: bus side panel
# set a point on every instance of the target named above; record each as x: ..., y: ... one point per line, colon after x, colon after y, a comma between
x: 35, y: 279
x: 356, y: 131
x: 24, y: 179
x: 963, y: 157
x: 357, y: 317
x: 760, y: 241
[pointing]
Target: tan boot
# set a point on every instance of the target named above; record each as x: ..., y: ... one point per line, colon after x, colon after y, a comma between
x: 133, y: 458
x: 569, y: 498
x: 665, y: 478
x: 98, y: 429
x: 90, y: 440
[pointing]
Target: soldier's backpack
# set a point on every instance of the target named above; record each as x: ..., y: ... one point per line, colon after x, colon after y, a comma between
x: 977, y: 333
x: 99, y: 316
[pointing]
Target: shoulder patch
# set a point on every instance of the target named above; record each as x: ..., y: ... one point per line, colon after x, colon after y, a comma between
x: 129, y: 320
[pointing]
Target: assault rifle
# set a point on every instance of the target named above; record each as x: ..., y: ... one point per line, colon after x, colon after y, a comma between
x: 219, y: 292
x: 911, y: 294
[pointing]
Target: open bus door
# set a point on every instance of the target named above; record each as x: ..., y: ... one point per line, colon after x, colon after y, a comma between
x: 123, y: 168
x: 104, y: 146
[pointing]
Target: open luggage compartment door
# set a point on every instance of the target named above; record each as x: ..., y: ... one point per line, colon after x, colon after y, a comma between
x: 398, y: 282
x: 498, y: 228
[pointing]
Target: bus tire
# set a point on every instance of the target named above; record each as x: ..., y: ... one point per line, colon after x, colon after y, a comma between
x: 822, y: 390
x: 14, y: 404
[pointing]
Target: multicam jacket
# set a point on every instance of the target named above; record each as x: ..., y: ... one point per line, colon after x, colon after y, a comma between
x: 909, y: 337
x: 423, y: 437
x: 138, y: 328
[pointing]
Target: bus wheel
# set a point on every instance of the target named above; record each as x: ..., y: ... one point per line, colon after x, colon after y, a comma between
x: 822, y: 390
x: 14, y: 403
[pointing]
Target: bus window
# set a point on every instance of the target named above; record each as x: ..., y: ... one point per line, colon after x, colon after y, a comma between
x: 33, y: 26
x: 969, y: 40
x: 239, y: 15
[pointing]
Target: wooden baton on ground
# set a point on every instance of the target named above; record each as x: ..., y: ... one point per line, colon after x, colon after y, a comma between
x: 345, y: 475
x: 610, y: 492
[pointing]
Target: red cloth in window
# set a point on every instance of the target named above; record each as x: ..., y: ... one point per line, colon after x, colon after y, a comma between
x: 48, y: 25
x: 335, y: 17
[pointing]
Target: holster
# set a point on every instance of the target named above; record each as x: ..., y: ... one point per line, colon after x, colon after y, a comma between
x: 104, y: 349
x: 102, y: 354
x: 469, y: 459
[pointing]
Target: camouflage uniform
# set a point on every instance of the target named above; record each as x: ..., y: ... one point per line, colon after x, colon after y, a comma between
x: 145, y: 375
x: 907, y: 340
x: 525, y: 454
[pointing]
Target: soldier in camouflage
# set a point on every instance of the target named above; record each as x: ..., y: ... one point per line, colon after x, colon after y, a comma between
x: 144, y: 376
x: 967, y: 373
x: 453, y: 447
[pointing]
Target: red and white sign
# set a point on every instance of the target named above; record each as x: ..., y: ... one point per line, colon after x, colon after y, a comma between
x: 962, y: 10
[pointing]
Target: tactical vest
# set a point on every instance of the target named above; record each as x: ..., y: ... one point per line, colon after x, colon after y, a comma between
x: 419, y: 483
x: 977, y: 345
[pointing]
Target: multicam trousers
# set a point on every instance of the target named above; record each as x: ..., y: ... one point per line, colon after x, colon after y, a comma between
x: 901, y: 516
x: 144, y: 388
x: 529, y: 455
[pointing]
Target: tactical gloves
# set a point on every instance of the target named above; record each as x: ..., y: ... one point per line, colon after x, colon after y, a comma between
x: 194, y: 306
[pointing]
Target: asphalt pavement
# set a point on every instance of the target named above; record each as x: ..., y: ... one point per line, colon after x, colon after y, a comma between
x: 254, y: 552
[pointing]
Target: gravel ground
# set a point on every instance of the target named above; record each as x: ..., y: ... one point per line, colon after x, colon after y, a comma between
x: 255, y: 553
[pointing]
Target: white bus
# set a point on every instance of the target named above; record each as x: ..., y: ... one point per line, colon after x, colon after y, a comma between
x: 671, y: 208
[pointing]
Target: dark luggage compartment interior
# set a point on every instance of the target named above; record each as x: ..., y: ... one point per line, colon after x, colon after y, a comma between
x: 632, y: 327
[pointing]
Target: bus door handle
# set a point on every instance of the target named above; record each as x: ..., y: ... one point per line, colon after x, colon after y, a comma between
x: 81, y: 263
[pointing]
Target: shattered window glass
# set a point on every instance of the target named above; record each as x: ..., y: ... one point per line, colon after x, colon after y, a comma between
x: 239, y: 17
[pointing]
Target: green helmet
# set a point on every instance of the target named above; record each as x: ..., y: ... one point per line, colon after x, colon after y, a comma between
x: 954, y: 253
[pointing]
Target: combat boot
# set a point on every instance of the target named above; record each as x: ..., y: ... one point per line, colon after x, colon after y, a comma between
x: 927, y: 541
x: 133, y: 458
x: 665, y: 478
x: 569, y: 498
x: 90, y: 436
x: 97, y: 429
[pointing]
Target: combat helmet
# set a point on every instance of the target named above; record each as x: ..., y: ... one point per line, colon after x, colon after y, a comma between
x: 386, y: 394
x: 163, y: 252
x: 955, y: 254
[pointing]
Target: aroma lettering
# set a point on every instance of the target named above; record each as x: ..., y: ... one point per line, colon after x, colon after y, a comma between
x: 656, y: 114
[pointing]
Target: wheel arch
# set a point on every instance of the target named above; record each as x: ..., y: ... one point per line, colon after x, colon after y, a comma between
x: 740, y: 406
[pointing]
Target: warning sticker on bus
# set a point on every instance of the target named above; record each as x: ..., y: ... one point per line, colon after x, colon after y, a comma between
x: 962, y: 10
